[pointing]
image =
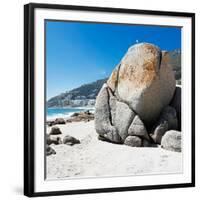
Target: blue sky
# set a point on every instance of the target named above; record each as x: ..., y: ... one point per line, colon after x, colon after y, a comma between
x: 79, y: 53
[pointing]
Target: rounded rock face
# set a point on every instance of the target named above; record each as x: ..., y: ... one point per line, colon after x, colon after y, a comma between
x: 69, y: 140
x: 49, y: 150
x: 53, y: 140
x: 144, y: 81
x: 55, y: 131
x: 172, y: 141
x: 133, y: 141
x: 59, y: 121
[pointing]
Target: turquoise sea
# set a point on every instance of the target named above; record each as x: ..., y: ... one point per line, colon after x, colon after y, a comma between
x: 53, y: 113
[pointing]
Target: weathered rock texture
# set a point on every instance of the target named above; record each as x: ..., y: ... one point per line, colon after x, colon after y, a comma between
x: 103, y: 121
x: 55, y: 131
x: 143, y: 75
x: 137, y: 128
x: 134, y: 103
x: 53, y: 140
x: 49, y: 150
x: 86, y: 94
x: 133, y: 141
x: 172, y: 141
x: 69, y: 140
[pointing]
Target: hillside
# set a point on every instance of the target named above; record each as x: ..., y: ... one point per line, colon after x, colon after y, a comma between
x: 85, y: 95
x: 82, y: 96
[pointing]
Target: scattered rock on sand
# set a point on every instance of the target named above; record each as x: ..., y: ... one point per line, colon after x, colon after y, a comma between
x: 69, y: 140
x: 68, y: 121
x: 53, y: 140
x: 133, y: 141
x: 74, y: 114
x: 172, y: 141
x: 56, y: 121
x: 59, y: 121
x: 50, y: 123
x: 81, y: 116
x: 55, y: 131
x: 49, y: 150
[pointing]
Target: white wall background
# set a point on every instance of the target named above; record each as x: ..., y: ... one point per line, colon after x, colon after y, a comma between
x: 11, y: 98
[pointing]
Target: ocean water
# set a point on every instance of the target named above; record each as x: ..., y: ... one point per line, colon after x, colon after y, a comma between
x: 53, y: 113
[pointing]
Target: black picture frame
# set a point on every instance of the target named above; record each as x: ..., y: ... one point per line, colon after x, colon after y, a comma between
x: 29, y: 79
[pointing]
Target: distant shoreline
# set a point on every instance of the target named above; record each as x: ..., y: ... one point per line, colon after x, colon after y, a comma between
x: 75, y: 107
x: 66, y: 112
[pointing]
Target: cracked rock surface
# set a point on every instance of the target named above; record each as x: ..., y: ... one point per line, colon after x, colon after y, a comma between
x: 140, y: 101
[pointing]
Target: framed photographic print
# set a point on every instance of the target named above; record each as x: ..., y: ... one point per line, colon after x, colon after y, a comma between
x: 109, y: 99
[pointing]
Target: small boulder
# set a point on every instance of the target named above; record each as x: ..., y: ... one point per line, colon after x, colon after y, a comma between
x: 53, y: 140
x: 55, y: 131
x: 74, y: 114
x: 69, y: 121
x: 50, y: 123
x: 85, y: 116
x: 133, y: 141
x: 172, y: 141
x: 69, y: 140
x: 138, y: 128
x: 49, y: 150
x: 59, y: 121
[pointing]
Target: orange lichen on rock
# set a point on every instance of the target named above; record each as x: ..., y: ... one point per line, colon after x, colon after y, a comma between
x: 143, y: 74
x: 112, y: 81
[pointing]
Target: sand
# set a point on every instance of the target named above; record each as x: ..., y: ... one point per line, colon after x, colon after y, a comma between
x: 93, y: 157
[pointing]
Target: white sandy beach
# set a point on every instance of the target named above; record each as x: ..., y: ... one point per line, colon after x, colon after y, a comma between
x: 93, y: 157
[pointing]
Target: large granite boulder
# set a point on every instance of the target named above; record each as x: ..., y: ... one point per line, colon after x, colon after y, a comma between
x: 135, y: 100
x: 144, y: 80
x: 171, y: 141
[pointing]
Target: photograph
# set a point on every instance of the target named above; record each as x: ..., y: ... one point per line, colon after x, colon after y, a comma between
x: 112, y: 100
x: 108, y: 99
